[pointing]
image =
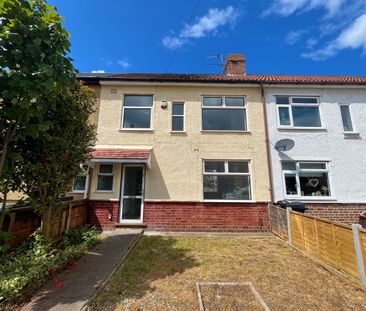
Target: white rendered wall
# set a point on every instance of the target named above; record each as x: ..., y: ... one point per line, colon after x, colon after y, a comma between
x: 347, y: 157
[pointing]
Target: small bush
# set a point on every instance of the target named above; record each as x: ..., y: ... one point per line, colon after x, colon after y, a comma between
x: 29, y: 266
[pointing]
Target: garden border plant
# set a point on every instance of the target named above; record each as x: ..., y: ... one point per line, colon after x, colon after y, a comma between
x: 31, y: 265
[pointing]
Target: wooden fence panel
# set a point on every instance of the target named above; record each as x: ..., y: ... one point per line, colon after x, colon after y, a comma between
x: 22, y: 222
x: 346, y: 250
x: 78, y: 216
x: 311, y: 244
x: 329, y: 241
x: 278, y: 221
x: 297, y: 230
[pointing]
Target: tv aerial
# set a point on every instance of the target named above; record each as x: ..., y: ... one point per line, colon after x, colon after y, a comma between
x: 284, y: 145
x: 220, y: 57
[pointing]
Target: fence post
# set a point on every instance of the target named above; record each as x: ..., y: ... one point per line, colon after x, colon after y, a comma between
x: 269, y: 217
x: 288, y: 214
x: 358, y: 250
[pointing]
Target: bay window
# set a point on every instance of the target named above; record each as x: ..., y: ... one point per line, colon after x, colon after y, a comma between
x: 298, y: 112
x: 224, y: 113
x: 226, y: 180
x: 306, y: 179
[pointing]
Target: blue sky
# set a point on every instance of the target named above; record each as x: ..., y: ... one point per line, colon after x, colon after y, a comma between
x: 277, y: 36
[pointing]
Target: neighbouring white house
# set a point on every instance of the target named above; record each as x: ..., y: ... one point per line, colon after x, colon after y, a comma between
x: 320, y: 156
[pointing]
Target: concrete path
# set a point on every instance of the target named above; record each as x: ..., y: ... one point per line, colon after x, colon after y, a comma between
x: 80, y: 283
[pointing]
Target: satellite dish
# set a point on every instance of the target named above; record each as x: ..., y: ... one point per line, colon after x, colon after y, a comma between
x: 284, y: 145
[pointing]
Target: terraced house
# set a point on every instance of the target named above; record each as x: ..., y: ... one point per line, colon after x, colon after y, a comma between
x: 325, y: 118
x: 179, y: 151
x: 202, y: 152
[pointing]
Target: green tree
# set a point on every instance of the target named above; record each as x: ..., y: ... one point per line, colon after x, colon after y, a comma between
x: 49, y: 162
x: 34, y: 62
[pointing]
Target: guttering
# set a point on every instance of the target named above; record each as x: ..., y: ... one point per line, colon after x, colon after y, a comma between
x: 269, y: 158
x: 181, y: 83
x: 317, y: 85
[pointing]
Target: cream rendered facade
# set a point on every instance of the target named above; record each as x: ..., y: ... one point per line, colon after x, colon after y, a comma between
x: 176, y: 173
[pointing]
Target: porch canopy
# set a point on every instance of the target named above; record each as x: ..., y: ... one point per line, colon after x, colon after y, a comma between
x: 121, y: 155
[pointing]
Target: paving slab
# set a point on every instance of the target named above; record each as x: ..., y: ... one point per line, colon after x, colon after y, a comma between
x: 91, y: 271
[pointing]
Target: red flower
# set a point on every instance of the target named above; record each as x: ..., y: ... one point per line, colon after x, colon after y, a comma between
x: 74, y: 264
x: 59, y: 284
x: 52, y: 271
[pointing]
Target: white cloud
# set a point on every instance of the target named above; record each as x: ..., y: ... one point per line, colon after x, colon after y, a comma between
x: 289, y: 7
x: 204, y: 26
x: 353, y: 37
x: 294, y: 36
x: 125, y: 63
x: 98, y: 71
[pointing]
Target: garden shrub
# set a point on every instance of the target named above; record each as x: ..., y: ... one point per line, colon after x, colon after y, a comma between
x: 28, y: 267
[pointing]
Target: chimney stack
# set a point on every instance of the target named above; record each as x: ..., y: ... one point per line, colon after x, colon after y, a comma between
x: 235, y: 65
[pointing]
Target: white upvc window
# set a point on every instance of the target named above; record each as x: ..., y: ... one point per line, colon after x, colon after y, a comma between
x: 226, y: 180
x: 346, y: 118
x: 306, y: 179
x: 178, y: 122
x: 105, y: 177
x: 79, y: 184
x: 298, y: 112
x: 137, y: 112
x: 224, y: 113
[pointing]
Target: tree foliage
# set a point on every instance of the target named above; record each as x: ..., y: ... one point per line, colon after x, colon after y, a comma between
x: 34, y: 62
x: 48, y: 163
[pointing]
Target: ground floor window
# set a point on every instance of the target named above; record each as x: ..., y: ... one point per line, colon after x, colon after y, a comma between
x: 105, y: 177
x: 306, y: 179
x: 226, y: 180
x: 79, y: 183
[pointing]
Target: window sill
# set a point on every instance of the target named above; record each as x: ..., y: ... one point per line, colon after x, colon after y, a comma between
x: 78, y: 192
x: 228, y: 201
x: 136, y: 130
x: 312, y: 199
x: 351, y: 135
x: 103, y: 191
x: 178, y: 133
x: 283, y: 128
x: 224, y: 132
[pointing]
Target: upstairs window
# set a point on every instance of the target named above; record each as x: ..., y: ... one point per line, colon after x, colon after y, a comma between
x: 178, y: 117
x: 298, y: 112
x: 137, y: 112
x: 306, y: 179
x: 226, y: 180
x: 105, y: 177
x: 224, y: 114
x: 346, y: 118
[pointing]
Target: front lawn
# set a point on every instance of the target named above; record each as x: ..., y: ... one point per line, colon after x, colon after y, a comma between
x: 161, y: 274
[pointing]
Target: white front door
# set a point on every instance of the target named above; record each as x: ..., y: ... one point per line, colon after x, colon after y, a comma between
x: 132, y: 194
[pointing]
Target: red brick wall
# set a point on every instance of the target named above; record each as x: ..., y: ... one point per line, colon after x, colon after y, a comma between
x: 99, y: 212
x: 195, y: 216
x: 344, y: 213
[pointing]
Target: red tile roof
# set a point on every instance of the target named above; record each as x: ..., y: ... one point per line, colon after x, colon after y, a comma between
x: 117, y: 153
x: 221, y: 78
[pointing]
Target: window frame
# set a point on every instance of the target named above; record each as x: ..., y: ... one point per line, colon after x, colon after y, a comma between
x: 290, y: 105
x: 85, y: 173
x: 105, y: 174
x: 151, y: 128
x: 354, y: 131
x: 297, y: 172
x: 177, y: 115
x: 223, y: 106
x: 227, y: 173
